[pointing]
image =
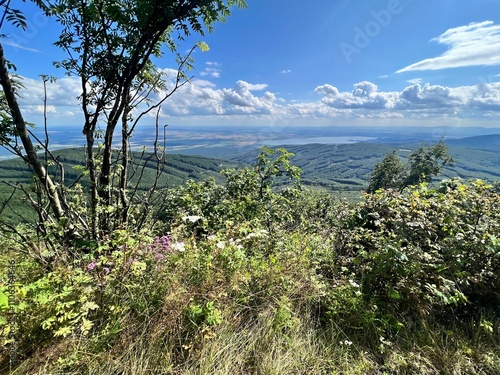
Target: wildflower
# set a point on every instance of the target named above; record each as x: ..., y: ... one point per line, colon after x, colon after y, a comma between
x: 92, y: 266
x: 161, y: 245
x: 259, y: 233
x: 192, y: 219
x: 220, y: 245
x: 354, y: 284
x: 178, y: 246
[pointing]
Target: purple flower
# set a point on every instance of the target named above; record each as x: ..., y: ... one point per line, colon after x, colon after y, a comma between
x: 161, y: 244
x: 92, y: 266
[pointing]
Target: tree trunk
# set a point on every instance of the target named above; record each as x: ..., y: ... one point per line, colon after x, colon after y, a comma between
x: 23, y: 134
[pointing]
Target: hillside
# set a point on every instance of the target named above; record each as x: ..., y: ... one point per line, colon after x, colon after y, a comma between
x: 490, y: 142
x: 348, y: 166
x: 179, y: 169
x: 340, y: 167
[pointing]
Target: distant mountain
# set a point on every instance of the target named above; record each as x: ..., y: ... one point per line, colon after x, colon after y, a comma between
x: 483, y: 142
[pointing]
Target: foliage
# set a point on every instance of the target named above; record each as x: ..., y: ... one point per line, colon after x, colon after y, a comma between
x: 389, y: 173
x: 110, y: 47
x: 423, y: 164
x: 401, y: 282
x: 247, y: 196
x: 427, y: 250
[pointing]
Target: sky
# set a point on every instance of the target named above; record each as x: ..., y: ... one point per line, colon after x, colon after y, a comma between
x: 322, y: 63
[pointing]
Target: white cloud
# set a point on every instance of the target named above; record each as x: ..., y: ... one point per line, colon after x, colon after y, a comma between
x: 475, y: 44
x: 415, y: 80
x: 8, y: 42
x: 285, y: 71
x: 364, y: 95
x: 48, y: 109
x: 63, y: 92
x: 202, y: 101
x: 210, y: 72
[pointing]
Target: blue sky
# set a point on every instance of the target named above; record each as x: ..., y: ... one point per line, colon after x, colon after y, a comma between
x: 324, y: 62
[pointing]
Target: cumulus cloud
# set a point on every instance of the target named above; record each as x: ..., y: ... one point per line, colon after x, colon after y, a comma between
x: 475, y: 44
x: 210, y: 72
x: 203, y: 99
x: 242, y: 97
x: 415, y: 80
x: 416, y: 100
x: 364, y: 95
x: 63, y: 92
x: 48, y: 109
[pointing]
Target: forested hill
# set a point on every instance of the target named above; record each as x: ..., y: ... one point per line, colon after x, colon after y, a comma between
x: 345, y: 166
x: 348, y: 166
x: 179, y: 168
x: 489, y: 142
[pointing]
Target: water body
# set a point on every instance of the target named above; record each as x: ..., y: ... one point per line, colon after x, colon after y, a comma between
x: 321, y: 140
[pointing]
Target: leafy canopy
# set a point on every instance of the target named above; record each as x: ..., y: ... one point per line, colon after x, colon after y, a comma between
x: 423, y: 164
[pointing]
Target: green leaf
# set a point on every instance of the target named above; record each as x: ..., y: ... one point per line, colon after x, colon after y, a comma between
x: 203, y: 46
x: 4, y: 301
x: 393, y: 294
x: 63, y: 331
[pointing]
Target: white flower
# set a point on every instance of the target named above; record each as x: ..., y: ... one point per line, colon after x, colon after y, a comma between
x: 178, y: 246
x: 220, y: 245
x: 346, y: 342
x: 354, y: 284
x: 192, y: 219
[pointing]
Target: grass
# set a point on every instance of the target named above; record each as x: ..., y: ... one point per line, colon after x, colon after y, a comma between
x: 255, y: 347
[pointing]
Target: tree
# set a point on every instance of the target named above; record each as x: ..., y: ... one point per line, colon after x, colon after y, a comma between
x: 110, y: 46
x: 427, y: 162
x: 14, y: 131
x: 387, y: 174
x: 423, y: 164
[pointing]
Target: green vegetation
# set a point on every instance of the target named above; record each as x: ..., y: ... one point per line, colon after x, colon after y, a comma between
x: 16, y: 174
x: 348, y: 167
x: 247, y: 272
x: 423, y: 164
x: 111, y: 47
x: 244, y: 277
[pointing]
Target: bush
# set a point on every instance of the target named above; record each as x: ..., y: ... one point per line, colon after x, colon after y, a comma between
x: 421, y: 252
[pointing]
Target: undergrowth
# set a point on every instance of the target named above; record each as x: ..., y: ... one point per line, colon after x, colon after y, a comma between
x: 242, y: 278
